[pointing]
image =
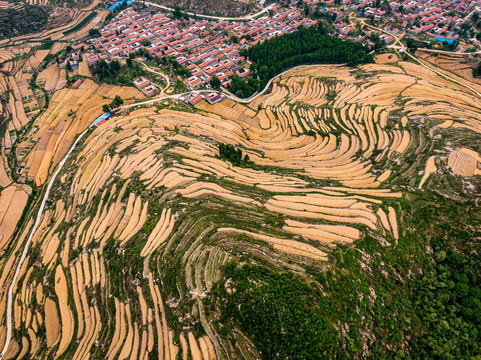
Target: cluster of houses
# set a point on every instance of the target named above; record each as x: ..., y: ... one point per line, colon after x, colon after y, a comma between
x: 211, y: 97
x: 205, y: 47
x: 214, y: 47
x: 430, y: 20
x: 143, y: 84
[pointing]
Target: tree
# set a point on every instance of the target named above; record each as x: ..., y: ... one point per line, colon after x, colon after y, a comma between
x: 379, y: 46
x: 307, y: 9
x: 477, y: 71
x: 105, y: 108
x: 94, y: 32
x: 117, y: 101
x: 114, y: 67
x: 215, y: 82
x: 411, y: 45
x: 145, y: 42
x: 234, y: 39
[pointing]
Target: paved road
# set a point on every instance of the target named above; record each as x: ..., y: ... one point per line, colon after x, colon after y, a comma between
x: 401, y: 46
x: 27, y: 245
x: 224, y: 92
x: 459, y: 53
x: 241, y: 18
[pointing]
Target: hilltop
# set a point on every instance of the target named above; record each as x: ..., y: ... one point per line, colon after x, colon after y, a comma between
x: 161, y: 239
x: 196, y: 187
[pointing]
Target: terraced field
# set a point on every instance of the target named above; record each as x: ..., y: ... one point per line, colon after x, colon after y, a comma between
x: 145, y: 217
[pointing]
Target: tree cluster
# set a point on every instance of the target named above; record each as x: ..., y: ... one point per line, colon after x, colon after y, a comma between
x: 305, y: 46
x: 230, y: 153
x: 281, y: 313
x: 115, y: 73
x: 215, y: 82
x: 116, y: 102
x: 243, y: 88
x: 104, y: 71
x: 94, y: 32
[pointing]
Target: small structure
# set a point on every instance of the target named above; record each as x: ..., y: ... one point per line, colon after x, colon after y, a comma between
x: 76, y: 84
x: 213, y: 97
x: 101, y: 119
x: 193, y: 98
x: 144, y: 85
x: 141, y: 82
x: 150, y: 90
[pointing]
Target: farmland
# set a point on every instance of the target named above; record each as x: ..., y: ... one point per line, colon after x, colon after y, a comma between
x: 152, y: 242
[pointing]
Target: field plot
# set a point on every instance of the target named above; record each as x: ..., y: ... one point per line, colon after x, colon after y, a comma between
x: 147, y: 212
x: 12, y: 202
x: 452, y: 63
x: 465, y: 162
x: 69, y: 113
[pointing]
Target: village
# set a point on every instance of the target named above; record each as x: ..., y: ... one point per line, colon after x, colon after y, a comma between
x: 207, y: 48
x: 434, y: 20
x: 213, y: 48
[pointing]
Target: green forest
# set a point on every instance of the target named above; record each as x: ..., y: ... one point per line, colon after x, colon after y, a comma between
x: 305, y: 46
x: 420, y: 299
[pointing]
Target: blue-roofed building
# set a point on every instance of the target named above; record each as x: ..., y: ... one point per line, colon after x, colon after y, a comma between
x: 446, y: 40
x: 101, y: 119
x: 117, y: 4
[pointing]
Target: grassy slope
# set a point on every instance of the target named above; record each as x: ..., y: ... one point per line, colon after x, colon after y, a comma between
x: 419, y: 300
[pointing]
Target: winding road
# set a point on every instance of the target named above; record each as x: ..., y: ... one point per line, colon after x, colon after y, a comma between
x: 29, y: 240
x: 404, y: 49
x: 224, y: 92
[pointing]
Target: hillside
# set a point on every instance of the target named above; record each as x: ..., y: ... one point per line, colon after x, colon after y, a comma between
x: 334, y: 238
x: 21, y: 19
x: 211, y: 7
x: 27, y: 17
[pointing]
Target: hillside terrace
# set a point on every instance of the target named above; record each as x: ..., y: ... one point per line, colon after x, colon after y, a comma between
x: 203, y: 46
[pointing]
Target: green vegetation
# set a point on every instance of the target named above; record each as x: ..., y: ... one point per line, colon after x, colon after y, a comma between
x: 116, y: 102
x: 477, y: 71
x: 215, y: 82
x: 230, y: 153
x: 47, y: 45
x: 284, y: 316
x: 305, y: 46
x: 22, y: 20
x: 115, y: 73
x: 94, y: 32
x: 82, y: 23
x: 244, y: 88
x: 146, y: 42
x: 420, y: 299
